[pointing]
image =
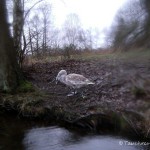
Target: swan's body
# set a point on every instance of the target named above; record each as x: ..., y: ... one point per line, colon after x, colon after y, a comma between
x: 73, y: 80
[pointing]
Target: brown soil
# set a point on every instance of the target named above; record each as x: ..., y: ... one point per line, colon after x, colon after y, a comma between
x: 119, y: 85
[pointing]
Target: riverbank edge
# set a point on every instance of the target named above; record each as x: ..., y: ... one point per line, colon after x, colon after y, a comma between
x: 34, y: 105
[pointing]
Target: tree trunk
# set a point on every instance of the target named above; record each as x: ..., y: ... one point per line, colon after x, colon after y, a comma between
x: 18, y: 23
x: 9, y: 69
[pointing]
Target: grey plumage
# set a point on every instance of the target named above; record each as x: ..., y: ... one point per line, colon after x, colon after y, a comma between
x: 75, y: 81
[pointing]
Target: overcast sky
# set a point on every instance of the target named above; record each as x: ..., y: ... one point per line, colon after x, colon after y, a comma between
x: 92, y: 13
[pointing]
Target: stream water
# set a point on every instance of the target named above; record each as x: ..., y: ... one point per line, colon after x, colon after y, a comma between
x: 16, y: 134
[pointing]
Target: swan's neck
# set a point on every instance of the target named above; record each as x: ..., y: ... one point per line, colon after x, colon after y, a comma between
x: 62, y: 78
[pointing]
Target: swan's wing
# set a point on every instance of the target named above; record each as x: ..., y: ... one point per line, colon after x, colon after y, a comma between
x: 76, y: 79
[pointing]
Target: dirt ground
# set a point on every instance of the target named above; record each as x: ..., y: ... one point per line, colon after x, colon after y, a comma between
x: 119, y: 85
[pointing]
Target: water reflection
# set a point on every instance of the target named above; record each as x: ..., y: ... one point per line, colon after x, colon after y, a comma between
x: 55, y: 138
x: 16, y: 134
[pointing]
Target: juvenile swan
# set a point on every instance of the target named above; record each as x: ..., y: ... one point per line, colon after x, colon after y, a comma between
x: 75, y: 81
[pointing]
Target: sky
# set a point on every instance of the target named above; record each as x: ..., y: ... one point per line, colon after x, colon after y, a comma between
x: 96, y: 15
x: 92, y: 13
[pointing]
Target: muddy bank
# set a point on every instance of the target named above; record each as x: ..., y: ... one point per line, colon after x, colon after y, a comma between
x: 119, y: 100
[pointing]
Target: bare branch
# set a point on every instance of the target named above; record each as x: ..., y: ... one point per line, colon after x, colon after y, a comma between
x: 32, y: 8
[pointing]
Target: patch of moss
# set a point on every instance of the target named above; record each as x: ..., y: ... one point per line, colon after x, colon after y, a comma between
x: 138, y: 92
x: 25, y: 86
x: 29, y: 104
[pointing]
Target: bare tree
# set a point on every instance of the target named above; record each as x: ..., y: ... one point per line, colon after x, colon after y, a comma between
x: 39, y: 30
x: 34, y: 35
x: 55, y: 39
x: 46, y: 22
x: 71, y: 29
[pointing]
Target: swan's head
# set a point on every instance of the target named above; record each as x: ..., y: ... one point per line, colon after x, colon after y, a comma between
x: 60, y: 74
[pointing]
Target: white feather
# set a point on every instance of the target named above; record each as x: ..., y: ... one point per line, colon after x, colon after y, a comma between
x: 73, y: 80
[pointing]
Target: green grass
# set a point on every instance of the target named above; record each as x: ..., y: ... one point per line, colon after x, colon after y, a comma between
x: 135, y: 55
x: 129, y: 55
x: 132, y: 55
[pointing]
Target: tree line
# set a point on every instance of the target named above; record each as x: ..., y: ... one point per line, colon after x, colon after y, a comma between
x: 131, y: 27
x: 39, y: 37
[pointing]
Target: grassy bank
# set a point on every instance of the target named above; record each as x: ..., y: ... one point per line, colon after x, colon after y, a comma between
x: 33, y: 105
x: 136, y: 55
